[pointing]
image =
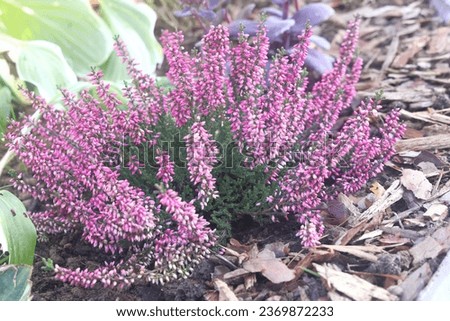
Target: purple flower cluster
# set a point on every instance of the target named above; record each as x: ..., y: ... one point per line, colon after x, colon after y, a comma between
x: 166, y: 169
x: 201, y: 156
x: 74, y: 158
x: 184, y: 240
x: 73, y: 154
x: 68, y: 153
x: 278, y: 124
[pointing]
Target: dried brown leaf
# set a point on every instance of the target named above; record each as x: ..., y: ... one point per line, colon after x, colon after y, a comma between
x: 238, y: 246
x: 428, y: 169
x: 270, y: 267
x: 377, y: 189
x: 416, y: 182
x: 426, y: 156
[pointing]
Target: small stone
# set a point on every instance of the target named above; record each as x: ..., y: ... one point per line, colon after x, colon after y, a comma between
x: 442, y: 101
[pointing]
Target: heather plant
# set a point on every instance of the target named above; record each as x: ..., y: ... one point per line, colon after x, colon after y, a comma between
x: 248, y: 139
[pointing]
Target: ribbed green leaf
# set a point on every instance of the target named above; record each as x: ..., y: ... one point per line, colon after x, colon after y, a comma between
x: 73, y: 25
x: 15, y: 284
x: 17, y: 232
x: 5, y: 107
x: 42, y: 64
x: 134, y: 24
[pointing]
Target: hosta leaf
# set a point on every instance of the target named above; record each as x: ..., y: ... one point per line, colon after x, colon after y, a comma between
x: 42, y: 64
x: 15, y: 284
x: 134, y: 23
x: 5, y: 108
x: 83, y: 37
x: 17, y: 232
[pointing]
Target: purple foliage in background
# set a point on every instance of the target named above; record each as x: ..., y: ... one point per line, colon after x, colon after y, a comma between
x: 283, y: 28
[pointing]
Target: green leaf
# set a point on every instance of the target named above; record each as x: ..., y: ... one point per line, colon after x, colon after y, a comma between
x: 42, y: 64
x: 73, y: 25
x: 5, y: 108
x: 134, y: 24
x: 15, y: 283
x: 17, y: 232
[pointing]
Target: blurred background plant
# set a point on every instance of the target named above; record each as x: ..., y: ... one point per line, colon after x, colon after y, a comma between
x: 47, y: 44
x: 285, y: 20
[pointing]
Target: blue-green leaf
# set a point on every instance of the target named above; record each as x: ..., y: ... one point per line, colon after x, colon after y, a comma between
x: 5, y: 108
x: 42, y: 64
x: 17, y: 232
x: 15, y: 283
x: 134, y: 24
x: 73, y: 25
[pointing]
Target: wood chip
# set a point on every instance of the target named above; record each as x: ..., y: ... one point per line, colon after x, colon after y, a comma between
x: 427, y: 116
x: 370, y: 235
x: 429, y: 248
x: 436, y: 212
x: 392, y: 195
x: 415, y: 282
x: 442, y: 236
x: 439, y: 41
x: 235, y: 274
x: 355, y: 214
x: 350, y: 234
x: 334, y: 296
x: 410, y: 234
x: 249, y: 281
x: 364, y: 252
x: 424, y: 143
x: 415, y: 47
x: 353, y: 286
x: 225, y: 293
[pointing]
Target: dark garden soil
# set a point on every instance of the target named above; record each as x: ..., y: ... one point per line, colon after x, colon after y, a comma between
x: 390, y: 237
